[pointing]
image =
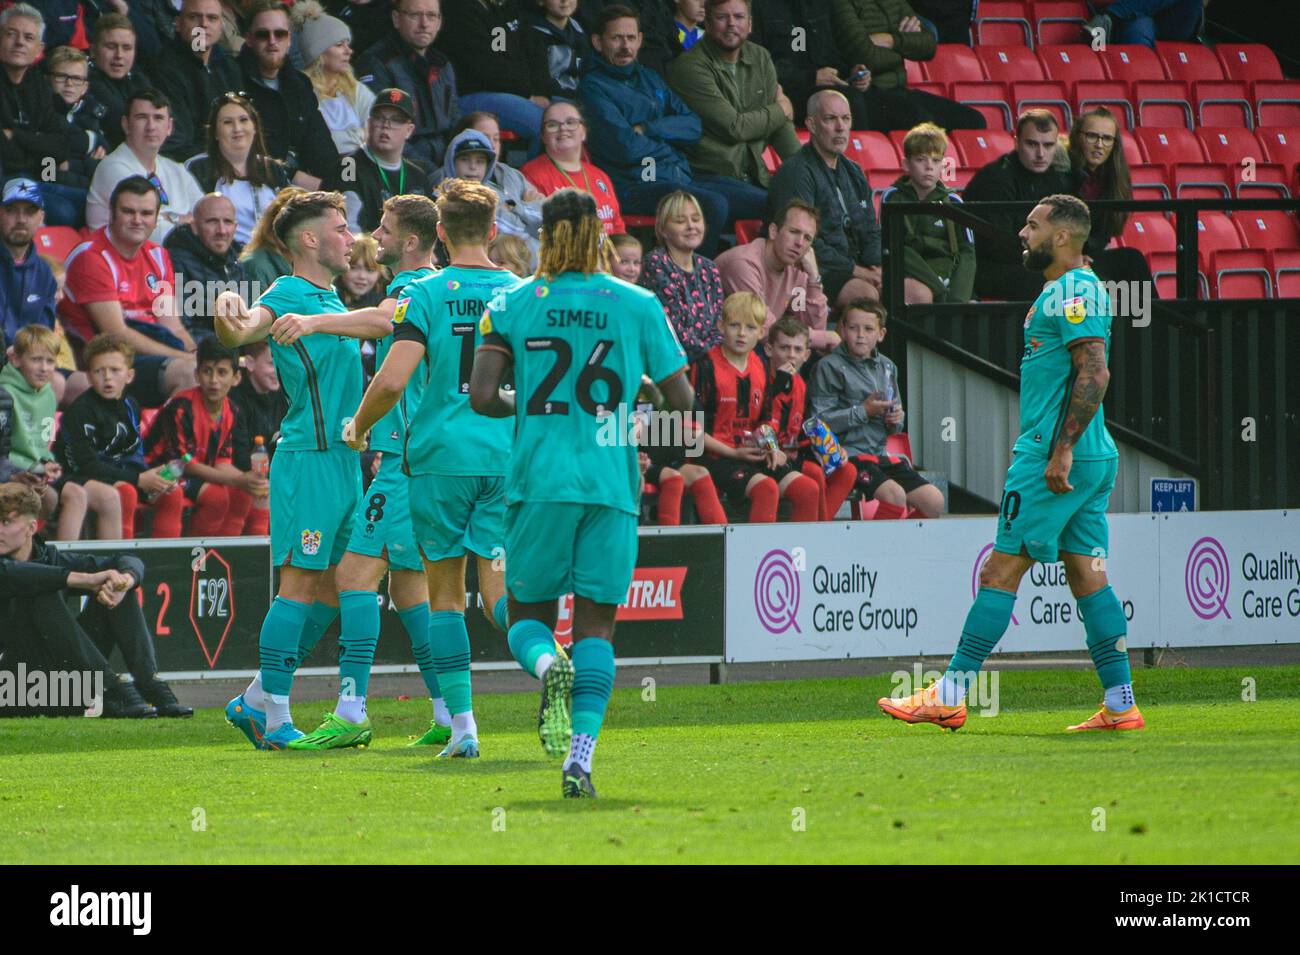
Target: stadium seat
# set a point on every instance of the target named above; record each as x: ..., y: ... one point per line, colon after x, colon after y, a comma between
x: 1216, y: 233
x: 1148, y: 232
x: 1169, y: 145
x: 899, y: 444
x: 882, y: 179
x: 979, y: 147
x: 57, y: 241
x: 1223, y: 103
x: 988, y: 99
x: 1228, y: 145
x: 1112, y: 94
x: 1286, y: 272
x: 1003, y: 24
x: 954, y: 63
x: 1281, y: 144
x: 873, y: 150
x: 1277, y: 103
x: 1201, y: 181
x: 638, y: 222
x: 1164, y: 270
x: 1148, y: 182
x: 915, y: 71
x: 1131, y: 63
x: 1044, y: 94
x: 771, y: 159
x: 1189, y: 62
x: 1010, y: 64
x: 1070, y: 64
x: 927, y: 86
x: 1268, y: 229
x: 1058, y: 22
x: 801, y: 133
x: 1267, y: 180
x: 747, y: 230
x: 961, y: 178
x: 1162, y: 104
x: 1241, y: 273
x: 1248, y: 62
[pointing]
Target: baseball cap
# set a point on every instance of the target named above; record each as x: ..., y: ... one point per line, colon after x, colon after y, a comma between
x: 22, y: 190
x: 397, y: 99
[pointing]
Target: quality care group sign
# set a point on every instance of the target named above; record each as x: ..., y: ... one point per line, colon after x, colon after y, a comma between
x: 903, y: 588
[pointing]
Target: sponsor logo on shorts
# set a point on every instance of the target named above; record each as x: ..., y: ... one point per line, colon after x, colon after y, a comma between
x: 310, y: 542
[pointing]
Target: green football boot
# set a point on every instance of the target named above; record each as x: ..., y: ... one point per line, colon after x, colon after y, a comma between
x: 554, y: 717
x: 335, y: 733
x: 435, y: 736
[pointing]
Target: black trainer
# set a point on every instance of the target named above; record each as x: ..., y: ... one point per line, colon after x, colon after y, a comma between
x: 123, y: 702
x: 575, y: 783
x: 161, y: 696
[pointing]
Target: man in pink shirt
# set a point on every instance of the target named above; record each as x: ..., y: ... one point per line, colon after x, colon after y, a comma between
x: 782, y: 271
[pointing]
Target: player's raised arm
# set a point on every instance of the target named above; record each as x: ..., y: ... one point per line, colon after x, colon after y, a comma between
x: 364, y: 323
x: 1091, y: 376
x: 236, y: 324
x: 385, y: 389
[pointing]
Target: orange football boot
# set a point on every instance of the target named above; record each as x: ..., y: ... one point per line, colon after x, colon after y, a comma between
x: 1104, y: 719
x: 924, y: 707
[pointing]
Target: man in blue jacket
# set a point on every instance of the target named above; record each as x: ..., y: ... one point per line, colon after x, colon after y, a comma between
x: 632, y: 117
x: 27, y: 285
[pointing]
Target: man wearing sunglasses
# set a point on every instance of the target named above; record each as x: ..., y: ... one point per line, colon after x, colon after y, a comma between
x: 292, y: 123
x: 193, y: 71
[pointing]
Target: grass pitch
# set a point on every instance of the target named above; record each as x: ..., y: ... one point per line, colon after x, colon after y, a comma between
x: 701, y: 774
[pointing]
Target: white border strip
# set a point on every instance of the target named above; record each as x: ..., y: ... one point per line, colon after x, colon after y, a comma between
x: 206, y: 675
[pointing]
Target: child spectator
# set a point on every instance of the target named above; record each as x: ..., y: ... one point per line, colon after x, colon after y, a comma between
x: 855, y: 392
x: 511, y: 252
x: 688, y: 285
x: 69, y: 71
x: 788, y: 346
x: 359, y: 286
x: 687, y: 17
x: 627, y: 257
x: 668, y: 466
x: 200, y: 422
x: 470, y: 155
x: 260, y: 406
x: 557, y: 46
x: 27, y: 408
x: 938, y: 255
x: 99, y: 442
x: 730, y: 385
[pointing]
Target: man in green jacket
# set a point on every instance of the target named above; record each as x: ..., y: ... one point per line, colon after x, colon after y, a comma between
x: 884, y: 34
x: 731, y: 85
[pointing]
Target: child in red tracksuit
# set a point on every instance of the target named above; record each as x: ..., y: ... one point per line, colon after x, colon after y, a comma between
x: 788, y: 345
x: 200, y: 422
x: 731, y: 387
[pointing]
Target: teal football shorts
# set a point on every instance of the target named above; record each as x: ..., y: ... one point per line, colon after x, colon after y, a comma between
x: 382, y: 525
x: 554, y: 549
x: 313, y: 498
x: 1035, y: 521
x: 454, y: 514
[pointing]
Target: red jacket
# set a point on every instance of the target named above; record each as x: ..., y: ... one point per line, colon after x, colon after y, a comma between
x: 787, y: 409
x: 732, y: 402
x: 184, y: 426
x: 549, y: 178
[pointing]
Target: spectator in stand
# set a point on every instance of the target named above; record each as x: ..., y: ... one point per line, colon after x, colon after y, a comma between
x: 848, y: 237
x: 884, y: 34
x: 1145, y: 21
x: 688, y: 15
x: 121, y: 284
x: 40, y: 629
x: 359, y: 286
x: 782, y: 271
x: 373, y: 174
x: 495, y: 72
x: 520, y: 211
x: 205, y: 258
x: 69, y: 382
x: 855, y: 391
x: 470, y: 156
x: 950, y: 19
x: 192, y: 70
x: 688, y: 285
x: 327, y: 49
x: 99, y: 439
x: 260, y: 406
x: 511, y: 252
x: 558, y: 44
x: 154, y: 22
x: 731, y: 84
x: 1097, y: 156
x: 817, y: 62
x: 114, y: 77
x: 200, y: 422
x: 787, y: 407
x: 1025, y: 174
x: 627, y: 258
x: 295, y: 130
x: 659, y: 44
x: 938, y: 254
x: 27, y: 416
x: 33, y: 130
x: 561, y: 166
x: 369, y: 20
x: 27, y: 286
x: 731, y: 389
x: 148, y: 123
x: 67, y: 70
x: 265, y: 257
x: 237, y: 164
x: 637, y: 124
x: 407, y: 60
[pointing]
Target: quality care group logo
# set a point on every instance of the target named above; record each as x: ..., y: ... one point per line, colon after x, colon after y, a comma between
x: 777, y: 591
x: 1208, y: 579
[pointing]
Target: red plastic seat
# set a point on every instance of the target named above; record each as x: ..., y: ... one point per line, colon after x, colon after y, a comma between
x: 1281, y: 144
x: 638, y: 222
x: 1223, y: 103
x: 1277, y: 103
x: 771, y: 159
x: 979, y: 147
x: 801, y: 133
x: 1010, y: 64
x: 1148, y: 182
x: 1162, y: 104
x: 747, y: 230
x: 57, y: 241
x: 1271, y: 229
x: 1070, y: 63
x: 1229, y: 145
x: 1132, y: 150
x: 1058, y: 22
x: 926, y: 86
x: 954, y: 63
x: 1201, y: 181
x: 1149, y: 232
x: 873, y: 150
x: 899, y: 443
x: 1044, y: 94
x: 1189, y: 62
x: 989, y: 99
x: 1286, y: 272
x: 1216, y: 232
x: 1241, y: 273
x: 1112, y: 94
x: 1003, y: 23
x: 1169, y: 145
x: 1164, y: 270
x: 1248, y: 62
x: 961, y: 178
x: 1264, y: 180
x: 1131, y: 63
x: 915, y: 71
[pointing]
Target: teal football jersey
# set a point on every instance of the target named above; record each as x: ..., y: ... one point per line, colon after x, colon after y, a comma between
x: 442, y: 312
x: 321, y: 374
x: 1072, y: 307
x: 580, y: 346
x: 389, y: 433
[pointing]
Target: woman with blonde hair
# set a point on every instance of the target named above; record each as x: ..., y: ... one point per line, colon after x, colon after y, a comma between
x: 326, y: 44
x: 688, y: 284
x: 511, y: 252
x: 265, y: 257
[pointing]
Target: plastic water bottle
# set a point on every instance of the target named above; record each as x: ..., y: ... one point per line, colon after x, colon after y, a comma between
x: 174, y: 469
x: 260, y: 460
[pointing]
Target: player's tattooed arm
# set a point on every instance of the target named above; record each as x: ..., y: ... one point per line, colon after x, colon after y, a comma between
x: 1090, y: 380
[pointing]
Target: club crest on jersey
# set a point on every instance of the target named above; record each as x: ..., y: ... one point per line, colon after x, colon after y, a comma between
x: 399, y: 314
x: 152, y: 281
x: 1075, y: 310
x: 310, y: 542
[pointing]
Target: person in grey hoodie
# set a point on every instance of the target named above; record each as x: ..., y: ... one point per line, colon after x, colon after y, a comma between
x: 855, y: 393
x: 470, y: 155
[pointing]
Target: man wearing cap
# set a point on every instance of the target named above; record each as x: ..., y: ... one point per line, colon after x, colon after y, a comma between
x: 370, y: 176
x: 407, y: 60
x: 27, y: 286
x: 292, y: 123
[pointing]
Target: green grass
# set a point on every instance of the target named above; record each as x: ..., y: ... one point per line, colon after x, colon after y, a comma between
x: 703, y: 773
